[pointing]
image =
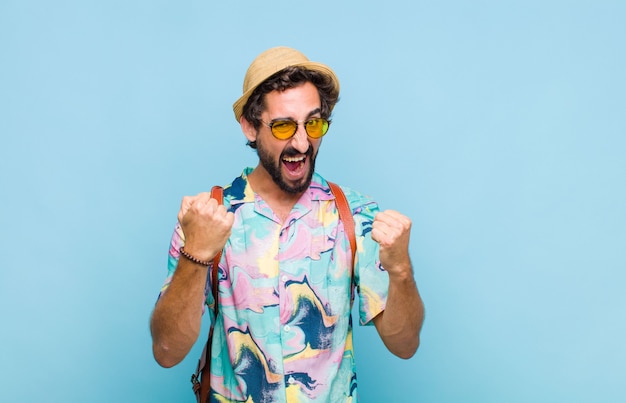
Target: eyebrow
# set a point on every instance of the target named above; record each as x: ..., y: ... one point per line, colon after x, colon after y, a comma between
x: 315, y: 111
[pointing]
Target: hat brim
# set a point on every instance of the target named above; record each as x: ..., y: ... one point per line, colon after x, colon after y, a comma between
x: 319, y: 67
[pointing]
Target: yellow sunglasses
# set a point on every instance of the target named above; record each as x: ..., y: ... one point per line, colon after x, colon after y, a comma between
x: 286, y: 128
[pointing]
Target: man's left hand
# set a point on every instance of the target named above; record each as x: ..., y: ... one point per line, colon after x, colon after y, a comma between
x: 392, y: 230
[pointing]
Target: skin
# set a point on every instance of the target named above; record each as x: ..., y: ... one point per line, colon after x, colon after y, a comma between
x: 400, y: 323
x: 176, y: 320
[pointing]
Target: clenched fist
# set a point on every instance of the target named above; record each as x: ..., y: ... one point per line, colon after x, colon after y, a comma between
x: 392, y: 230
x: 206, y: 225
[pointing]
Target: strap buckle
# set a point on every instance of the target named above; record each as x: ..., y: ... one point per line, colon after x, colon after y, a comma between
x: 195, y: 381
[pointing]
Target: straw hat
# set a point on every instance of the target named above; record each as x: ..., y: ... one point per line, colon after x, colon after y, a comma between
x: 272, y: 61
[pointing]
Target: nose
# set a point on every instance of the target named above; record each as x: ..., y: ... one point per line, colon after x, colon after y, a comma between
x: 300, y: 140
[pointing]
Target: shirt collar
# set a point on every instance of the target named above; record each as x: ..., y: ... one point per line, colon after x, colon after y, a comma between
x: 240, y: 191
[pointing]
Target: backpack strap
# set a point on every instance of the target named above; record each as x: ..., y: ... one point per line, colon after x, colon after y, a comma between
x: 345, y: 215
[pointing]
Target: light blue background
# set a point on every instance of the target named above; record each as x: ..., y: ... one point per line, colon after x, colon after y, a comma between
x: 497, y: 126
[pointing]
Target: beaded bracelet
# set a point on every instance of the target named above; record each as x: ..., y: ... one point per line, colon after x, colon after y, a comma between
x: 192, y: 258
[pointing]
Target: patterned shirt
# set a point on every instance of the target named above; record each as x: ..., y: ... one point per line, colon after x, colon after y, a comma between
x: 283, y: 332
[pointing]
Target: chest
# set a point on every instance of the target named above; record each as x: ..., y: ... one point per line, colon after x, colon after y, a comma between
x: 272, y: 260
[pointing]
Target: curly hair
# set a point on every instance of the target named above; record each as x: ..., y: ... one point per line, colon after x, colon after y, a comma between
x: 287, y: 78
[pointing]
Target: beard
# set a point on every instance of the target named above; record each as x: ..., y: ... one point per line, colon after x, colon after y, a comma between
x: 274, y: 168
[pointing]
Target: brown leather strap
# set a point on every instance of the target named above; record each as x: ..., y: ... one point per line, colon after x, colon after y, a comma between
x: 202, y: 388
x: 345, y: 215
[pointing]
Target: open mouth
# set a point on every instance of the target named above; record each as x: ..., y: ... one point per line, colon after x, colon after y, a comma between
x: 294, y: 164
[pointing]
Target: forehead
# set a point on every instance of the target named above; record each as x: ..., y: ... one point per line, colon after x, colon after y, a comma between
x: 293, y: 102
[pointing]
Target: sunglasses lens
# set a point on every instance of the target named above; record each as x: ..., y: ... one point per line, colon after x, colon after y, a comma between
x: 316, y: 128
x: 283, y: 129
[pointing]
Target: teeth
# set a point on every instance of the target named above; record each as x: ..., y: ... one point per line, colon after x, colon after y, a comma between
x: 293, y: 159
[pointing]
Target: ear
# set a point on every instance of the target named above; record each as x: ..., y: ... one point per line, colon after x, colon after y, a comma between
x: 248, y: 129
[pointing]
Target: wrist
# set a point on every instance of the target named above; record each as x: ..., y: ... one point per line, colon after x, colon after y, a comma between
x: 193, y: 258
x: 400, y: 272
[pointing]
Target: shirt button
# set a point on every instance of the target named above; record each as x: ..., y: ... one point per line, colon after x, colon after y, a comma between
x: 284, y: 279
x: 287, y: 328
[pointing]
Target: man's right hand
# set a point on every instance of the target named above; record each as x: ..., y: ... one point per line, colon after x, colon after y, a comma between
x: 206, y: 225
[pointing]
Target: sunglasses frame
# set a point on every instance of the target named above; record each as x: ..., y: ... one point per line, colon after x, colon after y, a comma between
x: 304, y: 122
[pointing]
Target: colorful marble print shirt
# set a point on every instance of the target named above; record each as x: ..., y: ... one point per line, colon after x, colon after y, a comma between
x: 284, y: 328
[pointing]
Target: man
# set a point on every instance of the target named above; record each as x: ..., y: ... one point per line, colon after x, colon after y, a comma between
x: 284, y: 330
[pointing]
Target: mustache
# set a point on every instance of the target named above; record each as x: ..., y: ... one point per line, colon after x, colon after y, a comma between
x: 292, y: 152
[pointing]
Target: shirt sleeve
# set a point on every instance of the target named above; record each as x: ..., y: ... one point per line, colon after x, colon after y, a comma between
x: 372, y: 281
